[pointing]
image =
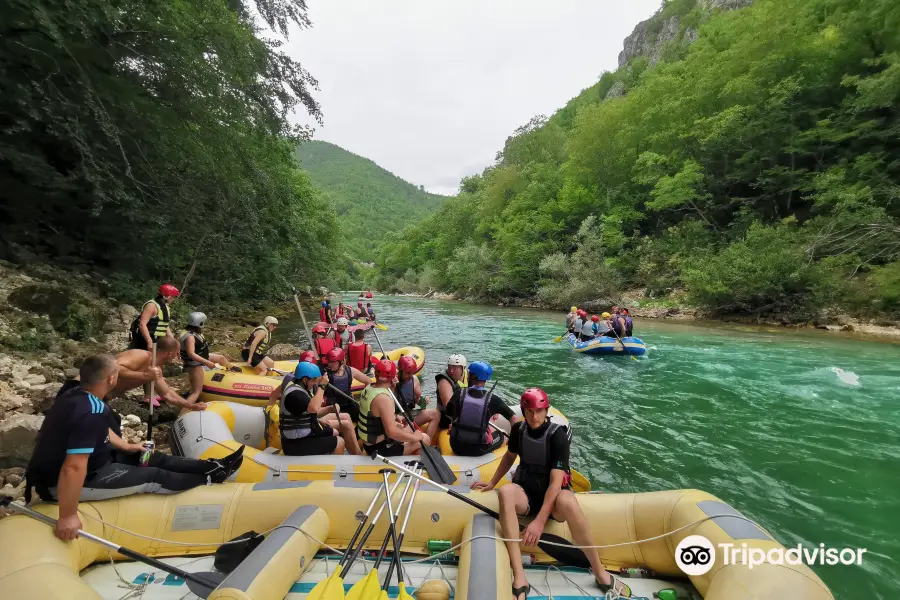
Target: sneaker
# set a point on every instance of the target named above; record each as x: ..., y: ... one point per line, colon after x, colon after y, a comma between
x: 223, y: 468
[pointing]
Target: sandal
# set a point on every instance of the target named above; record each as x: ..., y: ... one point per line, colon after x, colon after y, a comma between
x: 616, y: 588
x: 516, y: 591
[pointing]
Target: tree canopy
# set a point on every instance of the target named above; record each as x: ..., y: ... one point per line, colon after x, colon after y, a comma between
x: 756, y: 169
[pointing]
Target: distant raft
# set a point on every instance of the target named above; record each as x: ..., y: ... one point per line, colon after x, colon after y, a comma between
x: 247, y: 387
x: 609, y: 346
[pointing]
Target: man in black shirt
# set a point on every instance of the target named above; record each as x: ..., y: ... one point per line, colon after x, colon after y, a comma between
x: 471, y: 433
x: 541, y: 489
x: 80, y: 454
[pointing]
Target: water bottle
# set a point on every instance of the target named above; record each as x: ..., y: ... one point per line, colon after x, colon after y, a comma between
x: 145, y: 455
x: 636, y: 573
x: 671, y: 594
x: 528, y: 560
x: 423, y: 402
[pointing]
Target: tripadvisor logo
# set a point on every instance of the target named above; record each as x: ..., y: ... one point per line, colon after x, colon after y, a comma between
x: 696, y: 555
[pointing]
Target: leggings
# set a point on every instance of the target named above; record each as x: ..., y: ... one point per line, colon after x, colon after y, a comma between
x: 123, y: 476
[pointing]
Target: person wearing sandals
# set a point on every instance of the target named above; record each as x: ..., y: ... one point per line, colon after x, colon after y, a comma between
x: 540, y: 489
x: 195, y: 354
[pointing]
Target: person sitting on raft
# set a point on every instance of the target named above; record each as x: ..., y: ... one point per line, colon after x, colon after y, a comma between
x: 257, y: 345
x: 369, y: 312
x: 302, y: 401
x: 570, y: 319
x: 470, y: 433
x: 449, y: 388
x: 341, y: 376
x: 195, y: 354
x: 379, y: 430
x: 629, y: 325
x: 578, y: 324
x: 341, y: 335
x: 81, y: 456
x: 153, y: 323
x: 359, y: 353
x: 541, y: 489
x: 589, y: 329
x: 409, y: 391
x: 616, y: 325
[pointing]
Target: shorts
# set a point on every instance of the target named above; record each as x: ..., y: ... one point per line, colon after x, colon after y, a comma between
x: 536, y: 500
x: 445, y: 421
x: 385, y: 448
x: 311, y: 445
x: 257, y: 358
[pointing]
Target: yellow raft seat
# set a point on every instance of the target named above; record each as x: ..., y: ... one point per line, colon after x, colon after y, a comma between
x: 37, y: 565
x: 247, y: 387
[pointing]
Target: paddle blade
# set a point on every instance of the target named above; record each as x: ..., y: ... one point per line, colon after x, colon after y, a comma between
x: 202, y: 590
x: 381, y: 327
x: 437, y: 467
x: 557, y: 340
x: 329, y: 589
x: 565, y: 553
x: 403, y: 594
x: 366, y: 588
x: 579, y: 482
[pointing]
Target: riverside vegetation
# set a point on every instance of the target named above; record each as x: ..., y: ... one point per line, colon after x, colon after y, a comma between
x: 753, y: 169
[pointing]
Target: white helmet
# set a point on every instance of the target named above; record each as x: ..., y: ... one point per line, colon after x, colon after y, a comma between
x: 270, y: 321
x: 196, y: 319
x: 343, y: 321
x: 456, y: 360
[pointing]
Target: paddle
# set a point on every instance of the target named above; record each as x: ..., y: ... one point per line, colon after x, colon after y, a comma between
x: 437, y: 467
x: 152, y: 385
x: 387, y: 580
x: 380, y: 326
x: 201, y: 584
x: 399, y: 564
x: 624, y: 347
x: 312, y: 346
x: 564, y: 553
x: 557, y: 340
x: 369, y: 585
x: 332, y: 588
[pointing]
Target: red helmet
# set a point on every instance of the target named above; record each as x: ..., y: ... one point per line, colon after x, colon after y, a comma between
x: 385, y: 369
x: 581, y: 312
x: 595, y: 319
x: 320, y: 328
x: 308, y: 356
x: 336, y: 355
x: 407, y: 364
x: 534, y: 398
x: 167, y: 289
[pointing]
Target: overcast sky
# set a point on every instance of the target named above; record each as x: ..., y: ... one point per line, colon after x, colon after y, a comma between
x: 430, y: 89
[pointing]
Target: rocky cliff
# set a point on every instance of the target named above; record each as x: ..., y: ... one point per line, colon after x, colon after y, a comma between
x: 650, y: 37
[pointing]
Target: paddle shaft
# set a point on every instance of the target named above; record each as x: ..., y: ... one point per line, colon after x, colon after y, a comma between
x: 365, y: 537
x: 387, y: 537
x: 156, y: 564
x: 359, y: 527
x: 152, y: 386
x: 393, y: 531
x: 412, y: 501
x: 312, y: 346
x: 624, y: 347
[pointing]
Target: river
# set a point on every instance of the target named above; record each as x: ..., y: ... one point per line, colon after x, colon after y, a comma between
x: 758, y: 417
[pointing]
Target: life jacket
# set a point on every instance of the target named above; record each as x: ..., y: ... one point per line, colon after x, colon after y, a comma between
x: 570, y: 320
x: 406, y: 394
x: 470, y: 427
x: 588, y: 329
x: 450, y: 409
x: 342, y: 340
x: 577, y: 325
x: 323, y: 346
x: 617, y: 326
x: 342, y: 382
x: 263, y: 346
x: 201, y: 348
x: 534, y: 458
x: 156, y: 325
x: 359, y: 356
x: 629, y: 326
x: 291, y: 426
x: 370, y: 427
x: 323, y: 314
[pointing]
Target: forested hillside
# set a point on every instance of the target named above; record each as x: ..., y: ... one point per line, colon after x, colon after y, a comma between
x: 369, y: 200
x: 754, y: 169
x: 149, y: 141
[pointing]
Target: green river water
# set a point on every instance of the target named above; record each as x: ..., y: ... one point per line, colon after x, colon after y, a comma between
x: 755, y: 416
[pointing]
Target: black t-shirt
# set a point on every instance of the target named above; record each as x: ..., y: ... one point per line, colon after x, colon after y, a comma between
x: 297, y: 403
x: 559, y: 443
x: 77, y: 423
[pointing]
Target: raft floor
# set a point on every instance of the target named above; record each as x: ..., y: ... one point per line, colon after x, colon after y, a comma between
x: 133, y: 580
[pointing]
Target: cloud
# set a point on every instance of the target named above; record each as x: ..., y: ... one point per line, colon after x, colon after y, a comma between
x: 430, y: 89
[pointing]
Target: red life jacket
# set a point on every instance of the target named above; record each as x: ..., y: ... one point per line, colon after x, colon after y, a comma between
x: 322, y: 314
x: 359, y: 356
x: 323, y: 345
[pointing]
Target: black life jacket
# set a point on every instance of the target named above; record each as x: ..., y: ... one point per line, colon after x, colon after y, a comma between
x: 534, y: 458
x: 342, y: 382
x: 472, y: 420
x: 629, y: 326
x: 291, y: 426
x: 450, y: 409
x: 201, y: 348
x: 406, y: 394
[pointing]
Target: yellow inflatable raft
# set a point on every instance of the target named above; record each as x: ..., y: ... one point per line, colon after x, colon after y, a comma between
x: 224, y: 426
x: 247, y: 387
x: 301, y: 516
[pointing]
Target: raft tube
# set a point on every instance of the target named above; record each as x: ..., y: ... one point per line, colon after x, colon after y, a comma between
x: 42, y: 566
x: 608, y: 346
x: 246, y: 387
x: 224, y: 426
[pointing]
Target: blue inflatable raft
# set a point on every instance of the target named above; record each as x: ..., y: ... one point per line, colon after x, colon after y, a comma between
x: 609, y: 346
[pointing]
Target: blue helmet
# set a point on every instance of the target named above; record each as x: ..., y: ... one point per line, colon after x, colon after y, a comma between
x: 324, y: 304
x: 306, y: 369
x: 480, y: 371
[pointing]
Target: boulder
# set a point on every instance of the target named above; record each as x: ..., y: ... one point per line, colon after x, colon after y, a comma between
x: 10, y: 399
x: 284, y: 352
x: 42, y: 396
x: 17, y: 436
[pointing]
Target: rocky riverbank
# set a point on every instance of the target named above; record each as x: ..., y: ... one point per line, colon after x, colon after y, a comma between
x: 50, y: 319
